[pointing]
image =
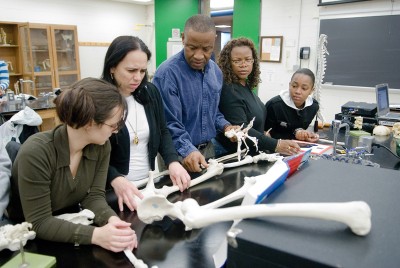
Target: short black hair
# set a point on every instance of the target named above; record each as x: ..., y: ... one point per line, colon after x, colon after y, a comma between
x: 200, y: 23
x: 306, y: 72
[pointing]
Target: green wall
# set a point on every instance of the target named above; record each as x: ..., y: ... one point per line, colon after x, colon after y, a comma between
x: 246, y: 19
x: 170, y: 14
x: 174, y: 13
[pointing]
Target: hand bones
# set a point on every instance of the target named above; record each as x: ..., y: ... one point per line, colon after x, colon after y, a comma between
x: 241, y: 136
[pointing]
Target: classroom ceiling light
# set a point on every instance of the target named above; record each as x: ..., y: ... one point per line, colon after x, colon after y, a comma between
x: 222, y: 26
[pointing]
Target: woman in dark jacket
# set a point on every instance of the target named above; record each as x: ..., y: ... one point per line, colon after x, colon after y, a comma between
x: 238, y: 103
x: 135, y: 146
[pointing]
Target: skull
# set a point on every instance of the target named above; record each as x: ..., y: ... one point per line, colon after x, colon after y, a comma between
x: 396, y: 130
x: 381, y: 131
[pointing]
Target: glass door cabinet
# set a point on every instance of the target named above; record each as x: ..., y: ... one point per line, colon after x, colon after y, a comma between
x: 50, y: 57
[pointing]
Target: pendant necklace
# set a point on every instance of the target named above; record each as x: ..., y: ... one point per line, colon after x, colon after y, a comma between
x: 136, y: 138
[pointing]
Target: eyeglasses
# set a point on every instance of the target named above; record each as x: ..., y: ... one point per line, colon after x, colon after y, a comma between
x: 116, y: 126
x: 241, y: 62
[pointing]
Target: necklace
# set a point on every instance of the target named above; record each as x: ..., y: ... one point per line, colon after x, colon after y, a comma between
x: 136, y: 138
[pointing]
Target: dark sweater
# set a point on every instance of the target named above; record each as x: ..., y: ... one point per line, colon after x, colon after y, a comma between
x: 240, y: 105
x: 42, y: 186
x: 160, y: 140
x: 284, y: 120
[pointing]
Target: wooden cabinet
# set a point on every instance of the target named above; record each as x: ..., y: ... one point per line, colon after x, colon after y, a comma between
x: 49, y: 117
x: 10, y: 50
x: 50, y: 57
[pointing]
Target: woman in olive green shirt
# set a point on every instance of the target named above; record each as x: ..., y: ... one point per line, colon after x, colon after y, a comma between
x: 67, y: 168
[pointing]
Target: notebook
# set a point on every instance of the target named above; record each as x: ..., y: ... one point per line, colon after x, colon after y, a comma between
x: 382, y: 103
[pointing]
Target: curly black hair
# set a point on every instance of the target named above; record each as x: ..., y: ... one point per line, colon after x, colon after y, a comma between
x: 225, y: 63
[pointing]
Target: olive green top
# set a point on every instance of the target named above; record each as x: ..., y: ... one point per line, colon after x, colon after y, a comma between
x: 46, y: 185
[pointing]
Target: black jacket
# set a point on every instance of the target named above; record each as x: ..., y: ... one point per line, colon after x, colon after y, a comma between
x: 284, y: 120
x: 160, y: 140
x: 240, y: 105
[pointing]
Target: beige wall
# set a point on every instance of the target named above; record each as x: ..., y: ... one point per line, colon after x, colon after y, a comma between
x: 97, y: 21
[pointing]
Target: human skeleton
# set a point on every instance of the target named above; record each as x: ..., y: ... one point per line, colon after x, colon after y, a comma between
x: 321, y: 64
x: 154, y: 206
x: 241, y: 136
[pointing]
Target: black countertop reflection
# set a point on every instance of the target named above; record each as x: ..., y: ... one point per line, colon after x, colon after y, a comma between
x: 164, y: 243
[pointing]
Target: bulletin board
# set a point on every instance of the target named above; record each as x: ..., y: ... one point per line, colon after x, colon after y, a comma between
x: 271, y: 48
x: 363, y: 51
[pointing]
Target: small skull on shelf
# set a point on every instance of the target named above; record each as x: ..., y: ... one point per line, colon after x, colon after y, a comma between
x: 381, y: 131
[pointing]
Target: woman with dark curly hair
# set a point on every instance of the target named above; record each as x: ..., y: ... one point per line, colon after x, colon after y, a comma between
x: 241, y: 70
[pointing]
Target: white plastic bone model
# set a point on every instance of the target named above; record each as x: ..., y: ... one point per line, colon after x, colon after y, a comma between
x: 84, y: 217
x: 137, y: 263
x: 321, y: 68
x: 357, y: 214
x: 156, y: 207
x: 396, y: 130
x: 143, y: 182
x: 209, y: 174
x: 214, y: 168
x: 252, y: 159
x: 241, y: 136
x: 381, y: 131
x: 358, y: 122
x: 12, y: 235
x: 156, y: 176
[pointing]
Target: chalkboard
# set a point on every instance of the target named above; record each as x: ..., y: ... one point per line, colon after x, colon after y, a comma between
x: 363, y: 51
